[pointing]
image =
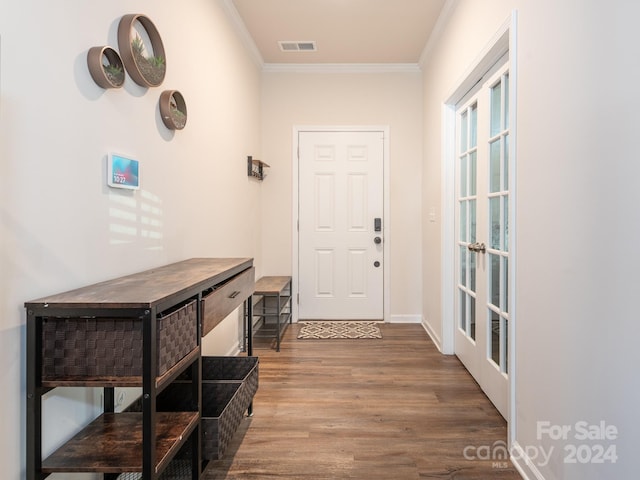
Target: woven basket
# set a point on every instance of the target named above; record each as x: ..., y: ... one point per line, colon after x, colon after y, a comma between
x: 97, y: 347
x: 220, y: 376
x: 228, y: 387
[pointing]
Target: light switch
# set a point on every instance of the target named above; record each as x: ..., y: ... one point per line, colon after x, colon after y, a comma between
x: 432, y: 214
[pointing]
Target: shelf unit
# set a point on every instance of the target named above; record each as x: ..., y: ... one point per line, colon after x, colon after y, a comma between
x: 256, y: 168
x: 272, y: 311
x: 148, y: 440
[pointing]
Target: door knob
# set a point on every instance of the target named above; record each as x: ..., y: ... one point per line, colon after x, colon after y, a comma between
x: 477, y: 247
x: 377, y: 240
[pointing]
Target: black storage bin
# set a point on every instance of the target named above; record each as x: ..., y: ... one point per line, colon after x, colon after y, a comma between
x: 228, y: 387
x: 83, y: 348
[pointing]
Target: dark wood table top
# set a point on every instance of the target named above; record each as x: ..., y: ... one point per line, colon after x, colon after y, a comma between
x: 149, y: 288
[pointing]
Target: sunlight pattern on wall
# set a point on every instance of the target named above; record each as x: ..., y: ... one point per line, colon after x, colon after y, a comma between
x: 136, y: 217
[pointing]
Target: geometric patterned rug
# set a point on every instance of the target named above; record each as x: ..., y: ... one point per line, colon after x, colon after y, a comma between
x: 352, y: 329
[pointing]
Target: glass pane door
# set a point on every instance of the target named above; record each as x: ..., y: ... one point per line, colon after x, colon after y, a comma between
x: 467, y: 202
x: 482, y: 237
x: 498, y: 248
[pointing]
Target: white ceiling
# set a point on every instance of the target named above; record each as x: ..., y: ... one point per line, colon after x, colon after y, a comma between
x: 345, y: 31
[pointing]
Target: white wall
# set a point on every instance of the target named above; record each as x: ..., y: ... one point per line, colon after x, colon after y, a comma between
x: 387, y: 98
x: 576, y: 186
x: 577, y: 226
x: 59, y: 221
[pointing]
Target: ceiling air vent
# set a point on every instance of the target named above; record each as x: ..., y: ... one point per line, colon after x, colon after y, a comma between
x: 297, y: 46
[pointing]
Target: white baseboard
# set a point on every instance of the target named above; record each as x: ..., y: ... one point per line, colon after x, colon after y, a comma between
x: 234, y: 352
x: 405, y: 319
x: 434, y: 337
x: 523, y: 463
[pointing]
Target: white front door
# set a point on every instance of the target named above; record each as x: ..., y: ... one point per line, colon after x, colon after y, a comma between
x: 340, y: 232
x: 482, y: 253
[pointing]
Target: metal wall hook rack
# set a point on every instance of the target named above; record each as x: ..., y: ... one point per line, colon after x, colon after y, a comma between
x: 256, y: 168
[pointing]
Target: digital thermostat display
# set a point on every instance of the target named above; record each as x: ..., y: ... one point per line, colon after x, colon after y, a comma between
x: 123, y: 172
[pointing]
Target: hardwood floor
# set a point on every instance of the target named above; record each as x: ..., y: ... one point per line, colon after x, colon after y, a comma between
x: 390, y: 409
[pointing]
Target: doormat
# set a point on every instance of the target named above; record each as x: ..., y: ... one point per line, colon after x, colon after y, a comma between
x: 352, y: 329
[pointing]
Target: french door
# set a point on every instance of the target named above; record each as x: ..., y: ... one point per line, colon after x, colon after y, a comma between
x: 482, y: 235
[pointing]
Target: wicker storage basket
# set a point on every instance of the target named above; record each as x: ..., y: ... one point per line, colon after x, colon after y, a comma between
x: 99, y: 347
x: 228, y: 387
x: 235, y: 378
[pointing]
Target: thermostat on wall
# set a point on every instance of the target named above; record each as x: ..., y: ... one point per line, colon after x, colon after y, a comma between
x: 123, y: 172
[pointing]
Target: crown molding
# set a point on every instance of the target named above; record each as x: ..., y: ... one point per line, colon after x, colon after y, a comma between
x: 438, y: 28
x: 241, y: 29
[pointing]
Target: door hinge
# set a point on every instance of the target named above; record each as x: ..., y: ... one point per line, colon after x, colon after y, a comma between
x: 298, y: 298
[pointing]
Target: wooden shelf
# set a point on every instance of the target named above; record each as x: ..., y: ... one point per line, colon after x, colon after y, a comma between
x: 255, y: 168
x: 272, y: 285
x: 112, y: 443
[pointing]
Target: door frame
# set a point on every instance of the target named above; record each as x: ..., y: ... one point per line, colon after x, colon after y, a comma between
x: 297, y: 129
x: 503, y: 42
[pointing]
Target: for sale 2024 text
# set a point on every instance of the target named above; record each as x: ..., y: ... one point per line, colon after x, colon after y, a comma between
x: 593, y: 441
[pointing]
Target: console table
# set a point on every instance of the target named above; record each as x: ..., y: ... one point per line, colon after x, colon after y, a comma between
x: 140, y: 330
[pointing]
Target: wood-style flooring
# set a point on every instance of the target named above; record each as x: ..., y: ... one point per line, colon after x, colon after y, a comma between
x: 391, y: 409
